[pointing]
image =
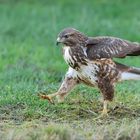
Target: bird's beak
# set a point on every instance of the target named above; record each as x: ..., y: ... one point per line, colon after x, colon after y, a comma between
x: 58, y: 41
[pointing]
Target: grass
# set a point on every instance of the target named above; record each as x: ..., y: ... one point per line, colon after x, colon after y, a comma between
x: 53, y: 131
x: 30, y: 62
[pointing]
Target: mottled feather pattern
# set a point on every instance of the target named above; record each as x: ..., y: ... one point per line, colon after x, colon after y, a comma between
x: 88, y: 71
x: 109, y: 47
x: 74, y: 57
x: 91, y: 60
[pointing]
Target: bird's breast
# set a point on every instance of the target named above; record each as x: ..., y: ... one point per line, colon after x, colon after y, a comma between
x: 89, y: 73
x: 86, y: 70
x: 74, y: 57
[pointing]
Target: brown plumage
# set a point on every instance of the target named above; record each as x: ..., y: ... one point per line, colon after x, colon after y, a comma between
x: 109, y: 47
x: 91, y: 62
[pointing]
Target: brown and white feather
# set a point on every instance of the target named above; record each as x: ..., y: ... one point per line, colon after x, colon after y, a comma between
x: 109, y: 47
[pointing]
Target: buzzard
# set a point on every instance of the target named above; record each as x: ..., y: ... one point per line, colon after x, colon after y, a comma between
x: 90, y: 61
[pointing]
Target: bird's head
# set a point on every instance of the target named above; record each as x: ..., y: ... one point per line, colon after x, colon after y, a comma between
x: 71, y: 37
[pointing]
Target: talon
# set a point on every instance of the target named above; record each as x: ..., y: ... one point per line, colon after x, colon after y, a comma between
x: 46, y: 97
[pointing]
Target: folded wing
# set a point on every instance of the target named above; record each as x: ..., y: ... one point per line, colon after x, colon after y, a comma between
x: 109, y: 47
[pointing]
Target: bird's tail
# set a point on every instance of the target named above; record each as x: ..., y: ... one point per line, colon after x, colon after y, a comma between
x: 128, y: 73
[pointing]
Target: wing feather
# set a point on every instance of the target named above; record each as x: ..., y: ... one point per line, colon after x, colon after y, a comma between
x: 109, y: 47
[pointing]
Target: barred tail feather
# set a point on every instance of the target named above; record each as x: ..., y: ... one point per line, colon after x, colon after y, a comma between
x: 128, y: 73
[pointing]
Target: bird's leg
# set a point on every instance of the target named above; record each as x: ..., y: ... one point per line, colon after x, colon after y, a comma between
x: 104, y: 112
x: 66, y: 86
x: 107, y: 90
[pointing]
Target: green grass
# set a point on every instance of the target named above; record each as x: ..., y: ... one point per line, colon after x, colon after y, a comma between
x: 30, y: 62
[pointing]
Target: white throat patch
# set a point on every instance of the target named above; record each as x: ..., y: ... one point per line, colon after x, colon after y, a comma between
x: 67, y: 56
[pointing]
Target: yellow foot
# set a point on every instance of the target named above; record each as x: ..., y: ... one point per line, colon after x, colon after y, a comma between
x: 104, y: 112
x: 49, y: 98
x: 103, y: 115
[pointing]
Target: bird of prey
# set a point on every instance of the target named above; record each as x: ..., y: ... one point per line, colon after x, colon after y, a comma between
x: 90, y: 61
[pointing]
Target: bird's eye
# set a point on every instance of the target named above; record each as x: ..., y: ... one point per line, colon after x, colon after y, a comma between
x: 66, y: 36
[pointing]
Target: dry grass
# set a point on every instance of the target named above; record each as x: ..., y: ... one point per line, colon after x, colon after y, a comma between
x: 125, y: 129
